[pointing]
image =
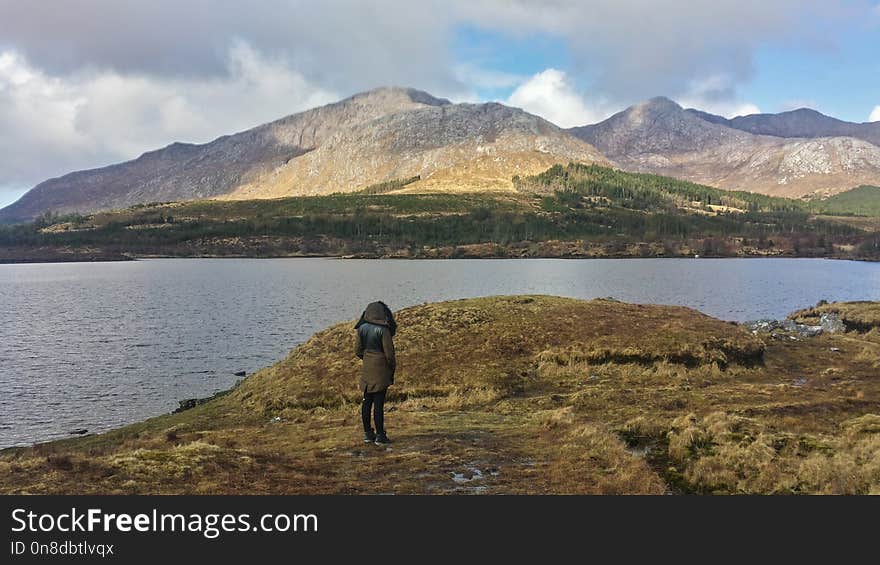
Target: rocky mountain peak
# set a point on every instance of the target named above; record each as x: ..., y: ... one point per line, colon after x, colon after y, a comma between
x: 656, y: 112
x: 371, y: 137
x: 802, y: 122
x: 805, y: 113
x: 395, y: 95
x: 391, y: 133
x: 658, y: 125
x: 658, y: 105
x: 789, y: 154
x: 447, y: 146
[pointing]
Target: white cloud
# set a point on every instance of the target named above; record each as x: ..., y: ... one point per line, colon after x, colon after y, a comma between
x: 631, y: 49
x: 717, y: 94
x: 78, y: 90
x: 92, y: 118
x: 635, y: 49
x: 875, y: 115
x: 479, y: 77
x: 727, y: 109
x: 551, y: 95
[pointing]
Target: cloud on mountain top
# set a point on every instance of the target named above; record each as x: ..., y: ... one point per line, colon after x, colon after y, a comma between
x: 716, y: 94
x: 550, y: 94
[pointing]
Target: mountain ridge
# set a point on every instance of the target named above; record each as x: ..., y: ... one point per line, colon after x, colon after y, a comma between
x: 373, y: 137
x: 392, y: 133
x: 184, y: 171
x: 477, y: 146
x: 660, y: 137
x: 801, y: 122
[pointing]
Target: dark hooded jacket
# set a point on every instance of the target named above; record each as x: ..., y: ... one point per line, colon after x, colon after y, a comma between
x: 374, y: 344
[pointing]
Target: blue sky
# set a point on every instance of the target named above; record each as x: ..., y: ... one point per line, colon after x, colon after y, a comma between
x: 841, y: 78
x: 517, y: 56
x: 79, y: 91
x: 842, y: 82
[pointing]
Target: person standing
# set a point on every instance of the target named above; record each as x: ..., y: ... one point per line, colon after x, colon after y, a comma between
x: 375, y: 345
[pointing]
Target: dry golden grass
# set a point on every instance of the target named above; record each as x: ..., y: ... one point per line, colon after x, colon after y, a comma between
x: 521, y: 394
x: 856, y: 316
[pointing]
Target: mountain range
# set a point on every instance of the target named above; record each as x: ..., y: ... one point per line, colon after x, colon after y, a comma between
x: 803, y: 122
x: 388, y: 134
x: 660, y: 137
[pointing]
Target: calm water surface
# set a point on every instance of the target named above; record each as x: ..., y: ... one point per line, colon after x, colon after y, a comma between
x: 99, y: 345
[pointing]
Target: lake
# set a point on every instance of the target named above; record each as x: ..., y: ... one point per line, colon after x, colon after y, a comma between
x: 98, y: 345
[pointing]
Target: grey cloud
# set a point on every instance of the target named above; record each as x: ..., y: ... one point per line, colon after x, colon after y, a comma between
x: 634, y: 48
x: 107, y: 80
x: 637, y: 49
x: 344, y: 44
x: 53, y: 124
x: 115, y: 78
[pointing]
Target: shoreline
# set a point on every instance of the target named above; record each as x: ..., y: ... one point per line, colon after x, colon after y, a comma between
x: 187, y: 404
x: 128, y: 258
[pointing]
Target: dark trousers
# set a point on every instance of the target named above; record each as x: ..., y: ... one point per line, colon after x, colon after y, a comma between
x: 376, y: 402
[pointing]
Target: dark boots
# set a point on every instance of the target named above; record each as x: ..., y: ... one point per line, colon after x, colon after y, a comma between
x: 374, y: 404
x: 382, y: 439
x: 377, y: 438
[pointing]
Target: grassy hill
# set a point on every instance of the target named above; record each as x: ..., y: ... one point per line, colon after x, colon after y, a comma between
x: 517, y: 394
x: 572, y: 211
x: 860, y: 201
x: 649, y: 192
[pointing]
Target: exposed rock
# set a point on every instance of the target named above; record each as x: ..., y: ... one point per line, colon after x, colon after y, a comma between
x: 660, y: 137
x: 183, y: 171
x: 450, y: 147
x: 377, y: 136
x: 652, y: 131
x: 803, y: 122
x: 391, y: 134
x: 802, y: 330
x: 841, y: 316
x: 768, y: 326
x: 836, y: 317
x: 831, y: 323
x: 764, y: 326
